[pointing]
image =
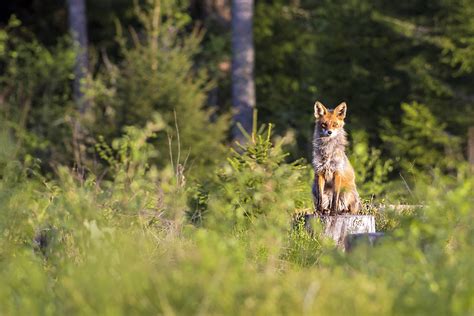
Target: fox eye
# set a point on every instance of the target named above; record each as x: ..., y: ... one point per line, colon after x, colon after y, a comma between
x: 335, y: 125
x: 324, y: 125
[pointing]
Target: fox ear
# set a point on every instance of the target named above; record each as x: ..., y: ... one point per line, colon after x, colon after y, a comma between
x: 340, y: 110
x: 319, y: 110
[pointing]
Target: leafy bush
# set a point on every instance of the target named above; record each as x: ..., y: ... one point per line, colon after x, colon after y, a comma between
x: 156, y: 74
x: 255, y: 185
x: 421, y: 142
x: 371, y: 169
x: 35, y: 85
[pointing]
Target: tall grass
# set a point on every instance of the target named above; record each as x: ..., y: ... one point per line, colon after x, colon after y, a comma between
x: 126, y: 243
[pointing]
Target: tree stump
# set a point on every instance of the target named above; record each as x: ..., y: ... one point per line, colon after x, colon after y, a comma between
x: 339, y: 226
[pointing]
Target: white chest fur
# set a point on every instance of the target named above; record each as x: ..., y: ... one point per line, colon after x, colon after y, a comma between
x: 329, y: 156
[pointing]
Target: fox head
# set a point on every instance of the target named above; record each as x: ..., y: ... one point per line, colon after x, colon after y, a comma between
x: 329, y: 123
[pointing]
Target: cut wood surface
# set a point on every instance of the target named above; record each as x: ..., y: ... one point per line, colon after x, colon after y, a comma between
x: 339, y: 226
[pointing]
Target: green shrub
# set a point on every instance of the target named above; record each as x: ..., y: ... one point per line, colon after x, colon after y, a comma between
x: 421, y: 142
x: 371, y: 169
x: 35, y: 84
x: 256, y: 186
x: 156, y: 75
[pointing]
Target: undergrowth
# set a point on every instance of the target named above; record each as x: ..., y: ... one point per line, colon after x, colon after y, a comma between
x: 138, y: 241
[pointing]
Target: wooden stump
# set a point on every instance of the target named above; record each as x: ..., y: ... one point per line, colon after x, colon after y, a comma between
x: 339, y: 226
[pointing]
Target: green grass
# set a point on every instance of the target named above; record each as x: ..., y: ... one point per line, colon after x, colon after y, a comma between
x: 126, y: 245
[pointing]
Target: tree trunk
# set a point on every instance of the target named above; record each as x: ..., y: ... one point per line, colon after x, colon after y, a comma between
x: 470, y: 147
x: 78, y: 29
x: 243, y: 87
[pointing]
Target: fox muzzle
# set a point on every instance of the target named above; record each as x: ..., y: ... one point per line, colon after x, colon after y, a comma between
x: 325, y: 133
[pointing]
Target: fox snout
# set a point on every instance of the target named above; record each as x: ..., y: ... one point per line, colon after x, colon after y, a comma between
x: 326, y: 132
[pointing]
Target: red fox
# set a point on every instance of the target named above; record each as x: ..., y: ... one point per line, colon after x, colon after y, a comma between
x: 334, y: 188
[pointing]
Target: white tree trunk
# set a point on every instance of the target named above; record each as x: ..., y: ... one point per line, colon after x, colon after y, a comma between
x: 243, y: 58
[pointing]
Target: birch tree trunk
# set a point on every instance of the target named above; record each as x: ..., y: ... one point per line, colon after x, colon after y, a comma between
x: 243, y: 58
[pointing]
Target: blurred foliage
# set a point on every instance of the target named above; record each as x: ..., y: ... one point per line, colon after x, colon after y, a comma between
x: 36, y: 92
x: 392, y: 53
x: 285, y: 85
x: 421, y: 142
x: 85, y: 245
x: 156, y: 75
x: 375, y: 55
x: 372, y: 171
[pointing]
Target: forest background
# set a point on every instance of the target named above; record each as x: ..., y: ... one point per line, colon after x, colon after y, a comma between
x: 122, y: 189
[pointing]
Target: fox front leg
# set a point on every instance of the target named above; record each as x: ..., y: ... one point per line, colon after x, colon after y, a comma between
x: 318, y: 191
x: 336, y: 193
